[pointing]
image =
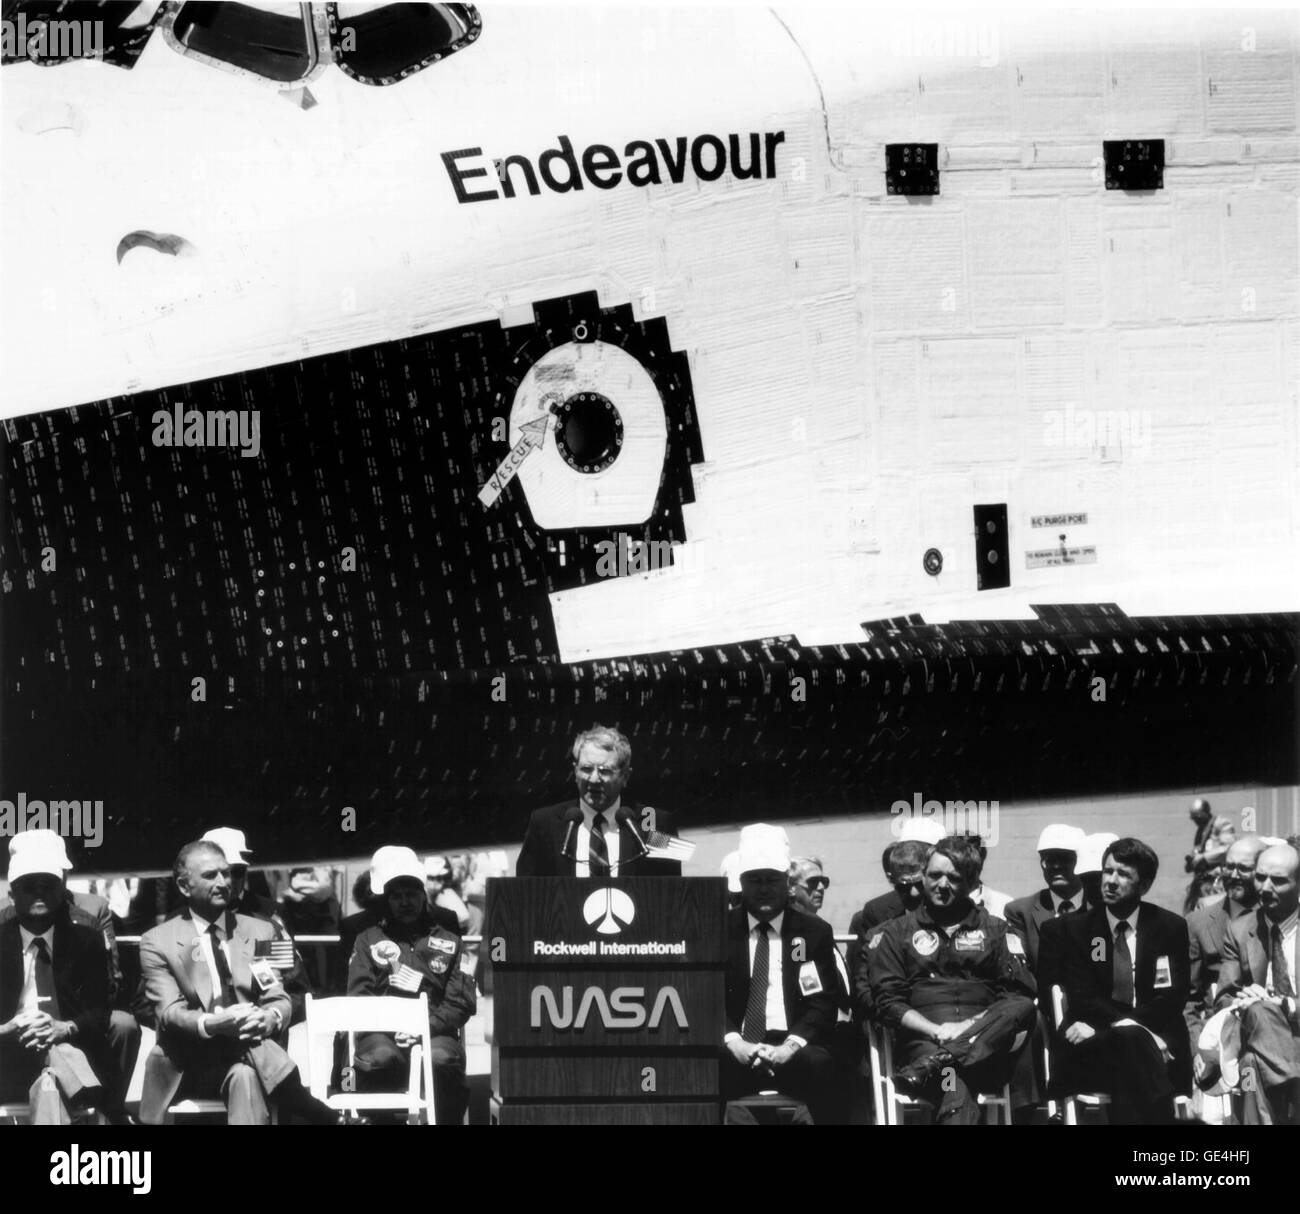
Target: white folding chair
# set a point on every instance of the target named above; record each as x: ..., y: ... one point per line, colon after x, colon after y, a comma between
x: 371, y: 1014
x: 891, y: 1105
x: 1089, y: 1100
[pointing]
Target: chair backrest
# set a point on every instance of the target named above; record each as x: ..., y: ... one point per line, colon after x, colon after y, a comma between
x: 1058, y: 1007
x: 358, y: 1014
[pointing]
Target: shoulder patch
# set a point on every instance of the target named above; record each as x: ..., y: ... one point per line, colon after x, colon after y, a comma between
x: 875, y: 940
x: 1015, y: 946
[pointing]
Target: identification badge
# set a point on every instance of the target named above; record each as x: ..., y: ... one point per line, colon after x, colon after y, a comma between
x: 810, y: 981
x: 970, y: 942
x: 925, y: 943
x: 263, y: 974
x: 442, y: 946
x: 1164, y: 978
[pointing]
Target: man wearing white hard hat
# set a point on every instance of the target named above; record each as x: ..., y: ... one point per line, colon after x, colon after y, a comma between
x: 1088, y: 868
x: 781, y: 988
x: 1058, y: 856
x: 53, y: 992
x: 408, y: 954
x: 118, y: 1063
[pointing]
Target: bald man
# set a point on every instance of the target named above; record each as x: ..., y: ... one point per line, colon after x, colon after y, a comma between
x: 1207, y: 928
x: 1258, y: 980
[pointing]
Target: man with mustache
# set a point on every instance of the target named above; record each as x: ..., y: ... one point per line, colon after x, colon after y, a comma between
x: 1207, y: 928
x: 1258, y: 980
x: 945, y: 981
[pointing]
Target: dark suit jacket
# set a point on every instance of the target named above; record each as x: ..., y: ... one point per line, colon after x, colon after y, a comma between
x: 811, y: 1017
x: 92, y: 911
x: 1207, y: 931
x: 1077, y: 950
x: 1026, y: 916
x: 179, y: 986
x: 80, y: 976
x: 544, y: 839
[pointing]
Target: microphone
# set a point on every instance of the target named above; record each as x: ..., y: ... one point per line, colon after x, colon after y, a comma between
x: 625, y: 817
x: 573, y: 815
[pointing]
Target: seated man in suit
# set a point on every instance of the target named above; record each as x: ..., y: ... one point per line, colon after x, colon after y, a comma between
x: 1258, y: 980
x: 1123, y: 969
x: 905, y: 871
x: 53, y: 993
x: 781, y: 988
x: 1207, y: 928
x: 218, y: 1004
x: 945, y: 981
x: 406, y: 954
x: 117, y: 1062
x: 599, y: 834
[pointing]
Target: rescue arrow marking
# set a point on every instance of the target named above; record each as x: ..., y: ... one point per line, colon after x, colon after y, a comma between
x: 534, y: 434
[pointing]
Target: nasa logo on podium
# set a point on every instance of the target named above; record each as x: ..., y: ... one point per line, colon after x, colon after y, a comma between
x: 609, y: 910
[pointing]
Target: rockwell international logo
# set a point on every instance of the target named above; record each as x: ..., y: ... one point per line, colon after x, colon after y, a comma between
x: 609, y: 911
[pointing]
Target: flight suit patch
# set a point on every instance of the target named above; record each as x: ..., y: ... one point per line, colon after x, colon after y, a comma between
x: 438, y: 965
x: 970, y: 941
x: 925, y: 943
x: 443, y: 946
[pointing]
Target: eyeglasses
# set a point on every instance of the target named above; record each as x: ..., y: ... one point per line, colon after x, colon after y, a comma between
x: 817, y: 883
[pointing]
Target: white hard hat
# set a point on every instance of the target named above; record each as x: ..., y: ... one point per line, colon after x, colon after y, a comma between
x: 731, y: 870
x: 1090, y: 854
x: 42, y: 839
x: 764, y: 847
x: 39, y: 856
x: 923, y: 830
x: 232, y: 843
x: 1059, y: 837
x: 389, y: 863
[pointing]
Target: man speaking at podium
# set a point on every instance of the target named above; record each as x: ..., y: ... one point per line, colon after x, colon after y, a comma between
x: 782, y: 986
x: 599, y: 834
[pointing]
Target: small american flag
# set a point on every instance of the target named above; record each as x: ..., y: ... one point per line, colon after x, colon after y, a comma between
x: 660, y: 846
x: 405, y: 979
x: 282, y: 955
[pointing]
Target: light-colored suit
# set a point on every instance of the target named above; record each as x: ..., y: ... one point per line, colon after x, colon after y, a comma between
x: 179, y: 985
x: 1270, y: 1035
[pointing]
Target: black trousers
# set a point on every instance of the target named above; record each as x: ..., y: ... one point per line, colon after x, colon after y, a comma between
x: 982, y: 1055
x: 1127, y: 1065
x: 810, y: 1076
x: 383, y: 1066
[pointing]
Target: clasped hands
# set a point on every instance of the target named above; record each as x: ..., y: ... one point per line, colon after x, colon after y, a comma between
x: 1254, y: 994
x: 760, y: 1056
x: 246, y: 1021
x: 37, y: 1031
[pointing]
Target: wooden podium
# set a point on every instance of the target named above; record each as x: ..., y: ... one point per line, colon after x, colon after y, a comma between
x: 608, y: 999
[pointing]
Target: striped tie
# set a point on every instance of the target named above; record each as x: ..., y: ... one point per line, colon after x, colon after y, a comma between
x: 597, y: 851
x: 1277, y: 959
x: 1123, y: 965
x: 756, y: 1007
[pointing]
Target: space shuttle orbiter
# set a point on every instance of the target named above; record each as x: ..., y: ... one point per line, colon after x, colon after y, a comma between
x: 842, y: 407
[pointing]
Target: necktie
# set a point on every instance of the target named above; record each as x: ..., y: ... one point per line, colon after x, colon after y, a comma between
x: 1277, y: 959
x: 227, y: 993
x: 1123, y: 965
x: 755, y: 1028
x: 43, y: 973
x: 597, y: 851
x: 1065, y: 908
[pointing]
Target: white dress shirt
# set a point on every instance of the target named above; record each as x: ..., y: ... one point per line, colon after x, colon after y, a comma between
x: 582, y: 850
x: 1075, y: 902
x: 28, y: 1002
x: 1132, y: 921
